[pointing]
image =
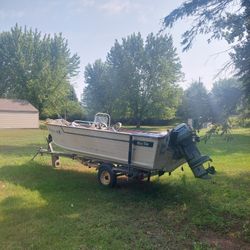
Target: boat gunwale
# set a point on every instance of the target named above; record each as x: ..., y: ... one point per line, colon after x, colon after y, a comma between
x: 155, y: 136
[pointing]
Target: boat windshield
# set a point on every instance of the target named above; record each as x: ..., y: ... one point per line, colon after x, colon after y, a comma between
x: 102, y: 118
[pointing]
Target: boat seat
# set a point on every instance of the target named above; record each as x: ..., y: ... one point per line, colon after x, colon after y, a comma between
x: 117, y: 126
x: 100, y: 125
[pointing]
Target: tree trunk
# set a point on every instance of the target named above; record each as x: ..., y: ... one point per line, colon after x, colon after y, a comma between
x: 138, y: 123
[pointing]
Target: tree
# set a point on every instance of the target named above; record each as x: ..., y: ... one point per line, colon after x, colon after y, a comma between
x: 137, y: 81
x: 98, y: 96
x: 195, y: 104
x: 36, y: 67
x: 223, y: 19
x: 241, y: 59
x: 71, y: 108
x: 225, y: 98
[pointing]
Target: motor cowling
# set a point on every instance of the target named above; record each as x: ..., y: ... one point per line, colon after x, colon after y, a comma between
x: 183, y: 142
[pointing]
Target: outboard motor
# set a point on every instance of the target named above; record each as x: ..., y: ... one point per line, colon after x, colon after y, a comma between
x: 183, y: 142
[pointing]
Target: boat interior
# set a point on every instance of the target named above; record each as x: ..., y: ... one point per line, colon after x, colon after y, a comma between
x: 102, y: 121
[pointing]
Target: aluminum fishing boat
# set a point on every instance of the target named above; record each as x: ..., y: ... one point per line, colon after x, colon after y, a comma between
x: 136, y: 151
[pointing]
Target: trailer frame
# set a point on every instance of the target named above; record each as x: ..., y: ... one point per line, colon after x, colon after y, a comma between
x: 113, y: 169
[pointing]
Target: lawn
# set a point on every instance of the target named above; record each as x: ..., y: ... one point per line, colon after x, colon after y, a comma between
x: 66, y: 208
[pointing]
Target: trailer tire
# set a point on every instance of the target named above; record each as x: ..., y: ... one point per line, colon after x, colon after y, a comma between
x: 106, y: 176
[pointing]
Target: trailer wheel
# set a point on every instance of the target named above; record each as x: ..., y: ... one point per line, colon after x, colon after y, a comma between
x: 106, y: 176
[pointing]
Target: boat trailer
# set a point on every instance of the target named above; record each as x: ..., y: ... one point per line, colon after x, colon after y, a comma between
x: 109, y: 171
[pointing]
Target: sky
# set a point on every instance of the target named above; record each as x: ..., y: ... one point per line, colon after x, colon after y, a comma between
x: 91, y: 27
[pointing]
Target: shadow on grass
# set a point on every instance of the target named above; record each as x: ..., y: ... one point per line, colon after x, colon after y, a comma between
x: 93, y: 216
x: 76, y: 206
x: 83, y: 185
x: 47, y: 180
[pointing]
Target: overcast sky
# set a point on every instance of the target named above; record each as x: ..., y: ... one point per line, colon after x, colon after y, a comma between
x: 91, y: 26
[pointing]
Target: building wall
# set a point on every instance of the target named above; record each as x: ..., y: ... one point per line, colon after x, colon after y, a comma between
x: 18, y: 119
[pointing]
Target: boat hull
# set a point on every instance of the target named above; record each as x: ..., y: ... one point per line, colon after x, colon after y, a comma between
x: 149, y: 152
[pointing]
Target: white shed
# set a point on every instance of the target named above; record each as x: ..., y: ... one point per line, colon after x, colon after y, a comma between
x: 18, y: 114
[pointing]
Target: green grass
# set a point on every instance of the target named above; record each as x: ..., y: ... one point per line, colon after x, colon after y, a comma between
x: 46, y: 208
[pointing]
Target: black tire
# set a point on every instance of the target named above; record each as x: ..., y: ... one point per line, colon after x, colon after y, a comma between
x: 106, y: 176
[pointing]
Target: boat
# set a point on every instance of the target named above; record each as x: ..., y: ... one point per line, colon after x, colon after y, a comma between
x: 132, y: 152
